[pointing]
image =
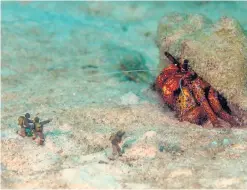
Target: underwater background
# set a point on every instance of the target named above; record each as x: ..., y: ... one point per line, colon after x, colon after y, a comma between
x: 50, y: 42
x: 71, y: 61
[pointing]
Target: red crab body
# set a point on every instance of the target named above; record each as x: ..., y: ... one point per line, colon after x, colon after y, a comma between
x: 192, y: 98
x: 169, y: 88
x: 165, y: 74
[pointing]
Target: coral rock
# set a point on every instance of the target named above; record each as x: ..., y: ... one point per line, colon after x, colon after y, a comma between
x: 217, y: 52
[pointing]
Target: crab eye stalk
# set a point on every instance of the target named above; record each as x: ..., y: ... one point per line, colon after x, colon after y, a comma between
x: 185, y: 65
x: 171, y: 58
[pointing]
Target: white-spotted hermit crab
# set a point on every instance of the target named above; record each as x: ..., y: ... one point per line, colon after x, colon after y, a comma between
x: 192, y: 98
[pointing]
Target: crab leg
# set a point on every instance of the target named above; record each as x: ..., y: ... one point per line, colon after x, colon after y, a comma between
x: 215, y: 104
x: 196, y: 115
x: 202, y: 100
x: 239, y: 113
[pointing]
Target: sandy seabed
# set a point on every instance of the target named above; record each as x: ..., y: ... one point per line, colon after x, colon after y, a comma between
x: 159, y: 151
x: 64, y: 78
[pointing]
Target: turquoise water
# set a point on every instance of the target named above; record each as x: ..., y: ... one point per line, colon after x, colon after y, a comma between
x: 58, y: 53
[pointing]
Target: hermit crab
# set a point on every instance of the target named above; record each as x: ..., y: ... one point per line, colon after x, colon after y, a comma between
x: 192, y: 98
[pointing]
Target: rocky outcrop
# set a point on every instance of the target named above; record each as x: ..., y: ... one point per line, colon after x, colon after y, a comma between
x: 216, y: 51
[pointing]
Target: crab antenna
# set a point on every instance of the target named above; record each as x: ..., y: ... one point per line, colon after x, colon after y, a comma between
x: 171, y: 58
x: 121, y: 72
x: 185, y: 65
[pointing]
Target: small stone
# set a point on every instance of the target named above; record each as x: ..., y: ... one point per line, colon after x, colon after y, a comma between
x: 161, y: 148
x: 226, y: 142
x: 129, y: 99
